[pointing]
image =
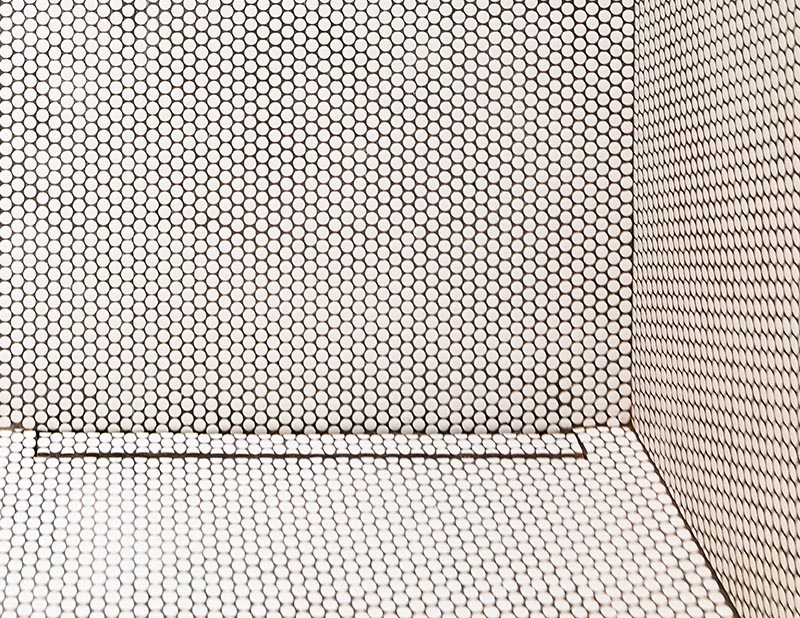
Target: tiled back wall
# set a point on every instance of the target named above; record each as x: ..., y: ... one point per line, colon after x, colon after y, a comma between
x: 717, y: 282
x: 340, y: 216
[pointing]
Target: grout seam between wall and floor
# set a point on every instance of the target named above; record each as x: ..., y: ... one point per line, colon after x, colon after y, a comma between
x: 695, y: 540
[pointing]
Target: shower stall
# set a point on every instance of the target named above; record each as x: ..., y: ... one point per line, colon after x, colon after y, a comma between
x: 399, y: 308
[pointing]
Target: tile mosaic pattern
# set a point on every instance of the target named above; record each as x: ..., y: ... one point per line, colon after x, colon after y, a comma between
x: 307, y: 217
x: 341, y: 445
x: 717, y: 283
x: 489, y: 538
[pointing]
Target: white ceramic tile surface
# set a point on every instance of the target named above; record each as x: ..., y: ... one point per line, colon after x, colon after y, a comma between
x: 544, y: 538
x: 306, y: 216
x: 717, y: 282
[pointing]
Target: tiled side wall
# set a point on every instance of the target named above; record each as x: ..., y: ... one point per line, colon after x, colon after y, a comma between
x: 717, y: 282
x: 315, y: 216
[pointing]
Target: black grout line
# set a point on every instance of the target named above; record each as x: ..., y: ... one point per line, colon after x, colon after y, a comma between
x: 714, y: 573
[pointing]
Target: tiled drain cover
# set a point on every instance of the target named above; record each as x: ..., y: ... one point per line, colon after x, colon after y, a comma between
x: 294, y: 445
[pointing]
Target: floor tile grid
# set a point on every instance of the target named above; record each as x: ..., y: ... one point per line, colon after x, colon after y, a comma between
x: 545, y: 538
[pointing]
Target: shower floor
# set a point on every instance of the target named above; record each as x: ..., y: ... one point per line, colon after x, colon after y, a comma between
x: 141, y: 525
